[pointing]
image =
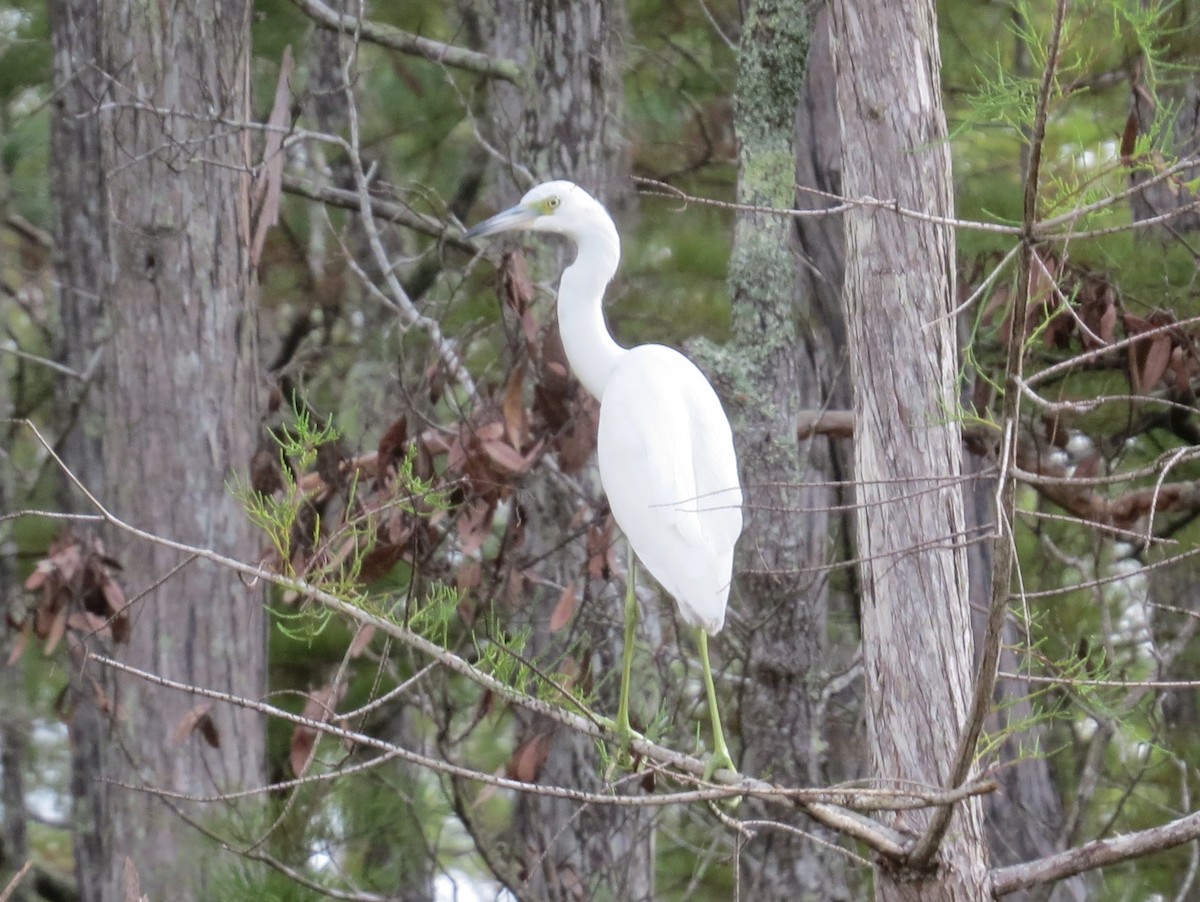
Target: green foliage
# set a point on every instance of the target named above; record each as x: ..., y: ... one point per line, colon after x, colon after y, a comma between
x: 419, y: 126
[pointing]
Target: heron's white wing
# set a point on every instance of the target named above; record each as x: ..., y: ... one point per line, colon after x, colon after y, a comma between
x: 670, y: 472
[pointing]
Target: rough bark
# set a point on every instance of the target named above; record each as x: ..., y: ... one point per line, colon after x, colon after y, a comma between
x: 14, y: 713
x: 1024, y: 818
x: 80, y: 236
x: 904, y: 360
x: 564, y: 122
x: 1181, y: 140
x: 180, y: 416
x: 779, y: 362
x: 80, y: 222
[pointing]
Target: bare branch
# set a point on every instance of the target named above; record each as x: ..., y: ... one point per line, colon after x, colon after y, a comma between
x: 27, y: 230
x: 16, y: 880
x: 878, y: 837
x: 389, y: 211
x: 395, y: 39
x: 1098, y: 854
x: 445, y: 347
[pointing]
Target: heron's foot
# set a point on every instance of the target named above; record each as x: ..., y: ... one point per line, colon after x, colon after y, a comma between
x: 623, y: 735
x: 719, y: 760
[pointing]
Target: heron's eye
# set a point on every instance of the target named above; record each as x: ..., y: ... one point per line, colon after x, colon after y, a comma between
x: 552, y: 202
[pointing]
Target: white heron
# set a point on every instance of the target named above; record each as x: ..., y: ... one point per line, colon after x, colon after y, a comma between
x: 665, y: 447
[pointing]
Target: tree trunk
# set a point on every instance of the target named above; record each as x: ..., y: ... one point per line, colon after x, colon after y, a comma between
x: 1025, y: 817
x: 774, y: 365
x: 908, y: 456
x: 80, y: 235
x: 565, y: 123
x: 180, y: 418
x: 14, y: 710
x: 1181, y: 141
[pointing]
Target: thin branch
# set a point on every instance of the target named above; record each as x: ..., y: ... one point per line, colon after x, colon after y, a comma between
x: 399, y: 299
x: 656, y: 188
x: 1164, y: 685
x: 16, y: 880
x: 878, y: 837
x: 395, y: 39
x: 1035, y: 231
x: 851, y: 822
x: 386, y: 210
x: 1097, y: 854
x: 27, y: 230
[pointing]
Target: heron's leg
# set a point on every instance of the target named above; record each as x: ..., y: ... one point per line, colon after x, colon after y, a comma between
x: 720, y: 759
x: 631, y: 615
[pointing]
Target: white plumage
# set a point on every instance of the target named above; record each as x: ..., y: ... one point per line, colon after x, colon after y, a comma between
x: 665, y: 448
x: 668, y: 467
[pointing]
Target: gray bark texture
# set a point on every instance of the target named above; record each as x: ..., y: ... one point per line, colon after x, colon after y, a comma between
x: 1025, y: 817
x: 15, y: 722
x: 1181, y: 138
x: 80, y: 235
x: 565, y: 123
x: 179, y: 413
x: 781, y: 361
x: 80, y: 220
x: 908, y: 457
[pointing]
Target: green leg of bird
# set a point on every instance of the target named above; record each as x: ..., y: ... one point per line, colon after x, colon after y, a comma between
x: 624, y: 730
x: 720, y: 759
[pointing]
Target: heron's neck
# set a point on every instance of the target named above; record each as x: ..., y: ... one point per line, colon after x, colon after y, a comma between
x: 590, y: 348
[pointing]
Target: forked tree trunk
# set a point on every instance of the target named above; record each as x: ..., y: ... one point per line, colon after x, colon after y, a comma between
x: 908, y: 457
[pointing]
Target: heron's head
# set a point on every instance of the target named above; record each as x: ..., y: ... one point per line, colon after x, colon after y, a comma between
x: 559, y: 206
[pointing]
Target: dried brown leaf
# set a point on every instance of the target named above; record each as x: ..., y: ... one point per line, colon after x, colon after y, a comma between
x: 1134, y: 324
x: 304, y: 739
x: 1108, y: 324
x: 85, y: 622
x: 269, y: 183
x: 391, y: 446
x: 530, y: 757
x: 576, y: 443
x: 20, y: 643
x: 1180, y: 369
x: 506, y: 457
x: 133, y: 885
x: 469, y: 575
x: 600, y: 550
x: 114, y: 595
x: 516, y: 419
x: 55, y: 631
x: 564, y: 609
x: 474, y: 527
x: 1129, y: 138
x: 119, y: 624
x: 68, y: 560
x: 319, y: 707
x: 362, y: 640
x: 493, y: 430
x: 40, y: 575
x: 1157, y: 359
x: 518, y: 291
x: 198, y: 720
